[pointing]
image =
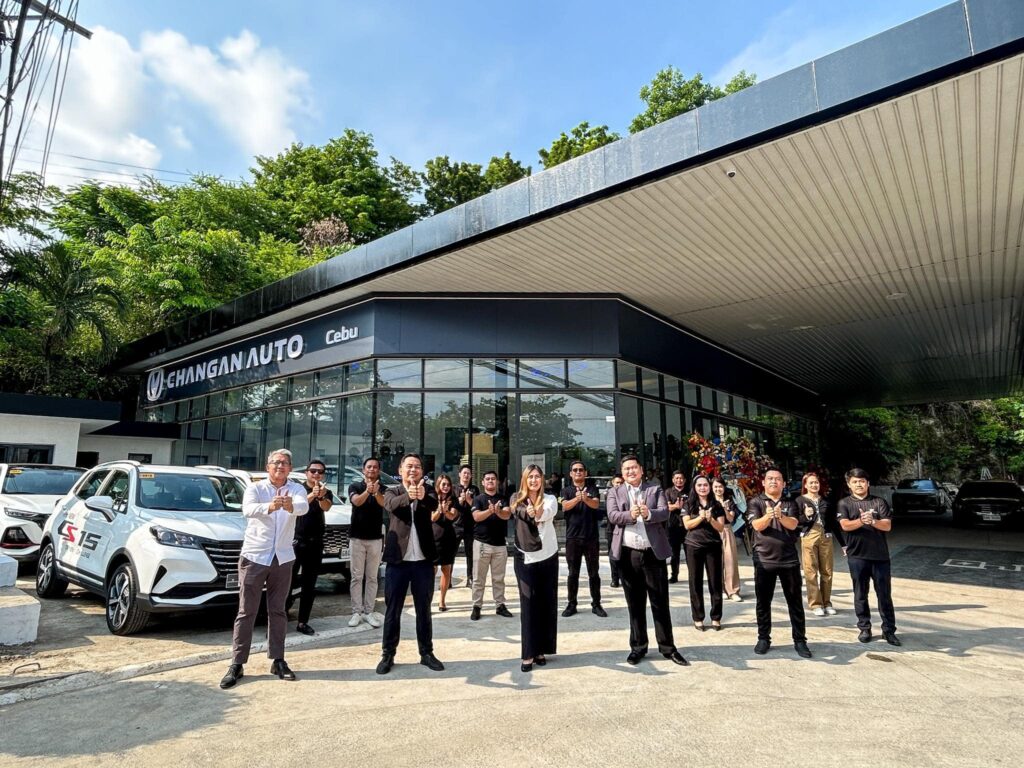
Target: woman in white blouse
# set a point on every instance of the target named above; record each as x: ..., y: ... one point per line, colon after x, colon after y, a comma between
x: 536, y: 567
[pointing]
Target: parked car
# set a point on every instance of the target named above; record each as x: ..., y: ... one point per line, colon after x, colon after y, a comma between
x: 920, y: 494
x: 148, y: 539
x: 951, y: 489
x: 998, y: 502
x: 28, y: 493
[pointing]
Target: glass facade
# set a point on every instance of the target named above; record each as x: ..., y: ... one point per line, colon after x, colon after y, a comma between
x: 498, y: 414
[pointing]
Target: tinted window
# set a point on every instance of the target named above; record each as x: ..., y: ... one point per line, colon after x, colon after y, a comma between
x: 92, y: 484
x: 916, y: 485
x: 40, y: 481
x: 117, y: 489
x: 992, y: 490
x: 189, y: 493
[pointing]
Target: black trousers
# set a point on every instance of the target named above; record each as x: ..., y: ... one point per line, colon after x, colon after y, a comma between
x: 538, y: 606
x: 764, y: 588
x: 609, y: 531
x: 575, y: 551
x: 698, y: 559
x: 466, y: 537
x: 309, y: 554
x: 676, y: 537
x: 644, y: 576
x: 398, y: 579
x: 863, y: 572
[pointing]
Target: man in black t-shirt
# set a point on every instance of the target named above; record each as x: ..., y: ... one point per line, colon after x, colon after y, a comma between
x: 465, y: 492
x: 309, y: 541
x: 490, y: 515
x: 774, y: 522
x: 867, y: 520
x: 581, y: 505
x: 366, y: 542
x: 676, y: 497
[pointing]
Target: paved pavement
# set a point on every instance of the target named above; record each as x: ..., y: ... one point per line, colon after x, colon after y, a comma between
x: 952, y: 695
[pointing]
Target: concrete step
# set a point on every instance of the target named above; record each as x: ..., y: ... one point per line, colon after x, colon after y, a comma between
x: 19, y: 617
x: 8, y: 571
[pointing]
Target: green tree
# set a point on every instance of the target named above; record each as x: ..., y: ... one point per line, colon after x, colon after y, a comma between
x: 344, y: 179
x: 671, y: 93
x: 579, y: 141
x: 447, y: 184
x: 504, y: 170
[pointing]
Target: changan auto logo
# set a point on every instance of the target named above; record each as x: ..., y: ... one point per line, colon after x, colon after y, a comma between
x: 155, y: 385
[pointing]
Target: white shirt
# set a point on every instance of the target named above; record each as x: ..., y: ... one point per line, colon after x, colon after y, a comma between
x: 546, y: 529
x: 635, y: 535
x: 414, y: 552
x: 270, y: 534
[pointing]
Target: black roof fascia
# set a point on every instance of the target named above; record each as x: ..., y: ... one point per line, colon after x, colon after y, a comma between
x: 59, y: 407
x: 948, y: 41
x: 166, y: 431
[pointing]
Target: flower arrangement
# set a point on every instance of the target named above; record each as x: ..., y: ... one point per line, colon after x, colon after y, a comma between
x: 734, y: 458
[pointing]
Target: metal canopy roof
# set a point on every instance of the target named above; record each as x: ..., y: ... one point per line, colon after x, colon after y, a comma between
x: 873, y: 257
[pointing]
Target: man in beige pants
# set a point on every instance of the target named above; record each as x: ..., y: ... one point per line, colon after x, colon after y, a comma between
x: 490, y: 516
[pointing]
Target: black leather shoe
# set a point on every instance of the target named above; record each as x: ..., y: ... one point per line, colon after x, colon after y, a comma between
x: 674, y: 580
x: 570, y: 610
x: 503, y: 611
x: 891, y: 639
x: 597, y: 610
x: 615, y: 584
x: 540, y: 661
x: 475, y: 615
x: 526, y: 667
x: 387, y: 661
x: 864, y: 636
x: 634, y: 657
x: 235, y: 673
x: 762, y: 647
x: 431, y: 661
x: 802, y: 650
x: 281, y: 669
x: 677, y: 658
x: 304, y: 629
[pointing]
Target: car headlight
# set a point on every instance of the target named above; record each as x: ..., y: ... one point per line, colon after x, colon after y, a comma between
x: 21, y: 514
x: 171, y: 538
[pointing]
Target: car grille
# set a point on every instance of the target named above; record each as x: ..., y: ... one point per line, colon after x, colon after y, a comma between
x: 224, y: 556
x: 992, y: 507
x: 335, y: 540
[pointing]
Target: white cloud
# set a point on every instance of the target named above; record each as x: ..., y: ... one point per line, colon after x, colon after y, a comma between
x: 251, y: 91
x: 178, y: 138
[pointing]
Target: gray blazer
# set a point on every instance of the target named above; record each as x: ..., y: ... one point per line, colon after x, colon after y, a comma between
x: 617, y: 505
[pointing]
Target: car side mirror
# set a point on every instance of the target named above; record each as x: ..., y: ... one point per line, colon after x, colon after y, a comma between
x: 102, y: 504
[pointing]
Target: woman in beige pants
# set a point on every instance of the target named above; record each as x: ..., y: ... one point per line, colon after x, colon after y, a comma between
x: 729, y: 555
x: 817, y: 526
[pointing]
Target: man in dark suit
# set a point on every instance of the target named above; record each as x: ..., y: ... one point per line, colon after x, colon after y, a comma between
x: 409, y: 552
x: 640, y: 545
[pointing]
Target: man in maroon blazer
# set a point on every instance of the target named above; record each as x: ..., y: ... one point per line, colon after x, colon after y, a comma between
x: 640, y: 545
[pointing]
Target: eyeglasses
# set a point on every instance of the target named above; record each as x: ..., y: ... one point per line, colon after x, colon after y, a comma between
x: 314, y: 471
x: 578, y: 469
x: 280, y: 463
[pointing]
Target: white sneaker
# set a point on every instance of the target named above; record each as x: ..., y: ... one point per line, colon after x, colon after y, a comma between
x: 830, y: 610
x: 736, y: 598
x: 355, y: 620
x: 819, y: 611
x: 372, y: 620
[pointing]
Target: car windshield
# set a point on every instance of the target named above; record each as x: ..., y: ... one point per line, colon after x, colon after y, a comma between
x: 40, y: 481
x: 916, y: 485
x: 995, y: 490
x: 190, y: 493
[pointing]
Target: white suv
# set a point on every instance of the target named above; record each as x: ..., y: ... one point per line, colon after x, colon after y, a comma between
x: 28, y: 493
x: 149, y: 539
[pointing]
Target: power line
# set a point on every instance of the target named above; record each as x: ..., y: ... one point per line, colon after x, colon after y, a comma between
x: 113, y: 162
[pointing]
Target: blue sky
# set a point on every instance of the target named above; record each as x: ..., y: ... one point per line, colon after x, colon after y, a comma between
x: 195, y: 86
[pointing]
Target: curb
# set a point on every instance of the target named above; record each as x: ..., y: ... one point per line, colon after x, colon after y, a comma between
x: 80, y: 681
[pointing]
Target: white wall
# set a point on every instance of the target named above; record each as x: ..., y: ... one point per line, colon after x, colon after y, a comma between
x: 62, y: 434
x: 113, y: 448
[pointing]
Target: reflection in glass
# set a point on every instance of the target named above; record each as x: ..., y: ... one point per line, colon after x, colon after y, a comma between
x: 232, y: 401
x: 229, y: 446
x: 358, y: 375
x: 591, y: 374
x: 216, y: 404
x: 677, y: 435
x: 445, y: 431
x: 563, y: 428
x: 356, y: 436
x: 327, y: 439
x: 691, y: 394
x: 653, y: 440
x: 301, y: 387
x: 398, y: 427
x: 650, y: 382
x: 446, y: 374
x: 275, y: 392
x: 541, y: 374
x: 399, y: 374
x: 627, y: 420
x: 300, y: 434
x: 493, y: 374
x: 626, y: 373
x: 331, y: 381
x: 250, y: 446
x: 489, y: 442
x: 275, y: 434
x: 672, y: 389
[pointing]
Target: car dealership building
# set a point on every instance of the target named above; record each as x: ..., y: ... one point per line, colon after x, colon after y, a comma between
x: 846, y: 233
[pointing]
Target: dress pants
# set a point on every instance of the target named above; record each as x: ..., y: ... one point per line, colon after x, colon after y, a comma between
x: 609, y: 531
x: 731, y: 560
x: 538, y: 606
x: 493, y: 558
x: 365, y: 565
x: 252, y: 577
x: 466, y: 537
x: 398, y: 578
x: 816, y: 548
x: 880, y: 572
x: 676, y: 537
x: 309, y: 554
x: 575, y: 551
x: 765, y: 577
x: 698, y: 559
x: 644, y: 576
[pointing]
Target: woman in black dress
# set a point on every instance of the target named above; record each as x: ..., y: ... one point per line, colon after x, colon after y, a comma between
x: 704, y: 519
x: 443, y: 520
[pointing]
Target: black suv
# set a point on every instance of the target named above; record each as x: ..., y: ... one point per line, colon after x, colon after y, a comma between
x: 992, y: 502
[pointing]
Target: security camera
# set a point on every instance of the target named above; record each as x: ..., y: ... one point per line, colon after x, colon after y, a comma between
x: 730, y: 172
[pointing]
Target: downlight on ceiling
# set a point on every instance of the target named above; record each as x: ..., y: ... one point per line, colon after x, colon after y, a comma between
x: 896, y: 296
